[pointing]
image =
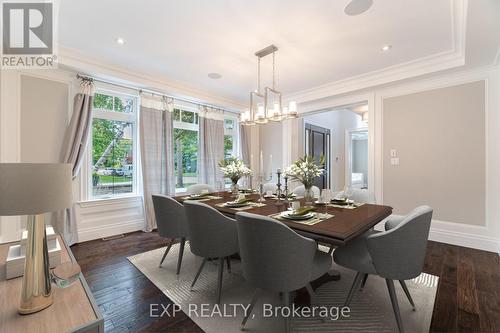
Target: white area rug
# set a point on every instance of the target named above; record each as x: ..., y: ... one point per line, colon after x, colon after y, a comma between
x: 371, y: 309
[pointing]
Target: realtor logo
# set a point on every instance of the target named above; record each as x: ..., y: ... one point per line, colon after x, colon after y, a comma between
x: 28, y: 35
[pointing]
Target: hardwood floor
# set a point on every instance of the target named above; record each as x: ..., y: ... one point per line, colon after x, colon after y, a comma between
x: 467, y: 300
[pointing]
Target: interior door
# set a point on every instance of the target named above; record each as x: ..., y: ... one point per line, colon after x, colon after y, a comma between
x: 317, y: 143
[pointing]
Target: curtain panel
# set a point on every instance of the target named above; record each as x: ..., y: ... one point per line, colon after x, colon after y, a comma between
x: 245, y: 139
x: 211, y: 145
x: 74, y: 146
x: 157, y: 152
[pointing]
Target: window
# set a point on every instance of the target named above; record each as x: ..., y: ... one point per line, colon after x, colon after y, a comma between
x: 185, y: 148
x: 112, y: 162
x: 186, y: 127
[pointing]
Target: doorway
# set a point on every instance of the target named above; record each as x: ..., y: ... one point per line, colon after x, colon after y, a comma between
x: 317, y: 144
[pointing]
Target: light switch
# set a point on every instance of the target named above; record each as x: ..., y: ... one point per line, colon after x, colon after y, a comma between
x: 394, y: 153
x: 395, y: 161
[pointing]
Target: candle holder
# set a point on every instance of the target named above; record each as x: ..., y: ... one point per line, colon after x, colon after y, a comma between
x: 286, y: 189
x: 279, y: 202
x: 262, y: 179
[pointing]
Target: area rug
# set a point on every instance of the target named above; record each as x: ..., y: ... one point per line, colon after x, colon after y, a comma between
x: 370, y: 310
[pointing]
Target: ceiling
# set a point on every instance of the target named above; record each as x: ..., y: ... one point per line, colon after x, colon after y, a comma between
x: 183, y: 41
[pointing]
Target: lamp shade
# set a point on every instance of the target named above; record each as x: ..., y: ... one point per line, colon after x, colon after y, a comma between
x: 33, y: 188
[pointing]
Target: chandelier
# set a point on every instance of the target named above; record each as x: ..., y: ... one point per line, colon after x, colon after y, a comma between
x: 267, y: 106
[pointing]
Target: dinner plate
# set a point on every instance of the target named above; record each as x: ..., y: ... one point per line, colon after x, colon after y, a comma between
x: 287, y: 215
x: 236, y: 204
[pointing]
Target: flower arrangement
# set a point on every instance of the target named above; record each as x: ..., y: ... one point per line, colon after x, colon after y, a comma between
x: 234, y: 169
x: 305, y: 170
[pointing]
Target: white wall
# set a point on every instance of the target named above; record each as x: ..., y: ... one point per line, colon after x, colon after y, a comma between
x: 485, y: 237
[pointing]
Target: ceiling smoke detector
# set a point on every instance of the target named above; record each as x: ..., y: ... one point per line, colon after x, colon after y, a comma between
x: 357, y: 7
x: 214, y: 76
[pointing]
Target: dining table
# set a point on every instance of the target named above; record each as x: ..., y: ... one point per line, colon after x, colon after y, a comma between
x: 339, y: 224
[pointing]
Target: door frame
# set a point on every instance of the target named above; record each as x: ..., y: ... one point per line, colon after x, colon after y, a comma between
x: 348, y: 154
x: 307, y: 147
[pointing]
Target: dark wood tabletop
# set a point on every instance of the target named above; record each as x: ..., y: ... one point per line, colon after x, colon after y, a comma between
x: 343, y: 226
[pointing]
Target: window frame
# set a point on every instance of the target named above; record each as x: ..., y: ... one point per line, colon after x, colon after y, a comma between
x: 133, y: 118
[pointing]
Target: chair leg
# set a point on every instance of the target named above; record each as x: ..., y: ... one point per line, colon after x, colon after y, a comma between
x: 310, y: 290
x: 172, y: 241
x: 365, y: 277
x: 354, y: 286
x: 228, y: 264
x: 181, y: 253
x: 395, y: 306
x: 198, y: 273
x: 407, y: 292
x: 331, y: 250
x: 219, y: 280
x: 255, y: 297
x: 286, y: 302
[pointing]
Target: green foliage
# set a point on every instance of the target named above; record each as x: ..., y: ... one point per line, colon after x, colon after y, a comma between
x: 103, y: 133
x: 189, y: 148
x: 228, y: 146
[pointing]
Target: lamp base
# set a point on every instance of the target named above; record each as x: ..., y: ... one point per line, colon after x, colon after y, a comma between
x: 36, y: 292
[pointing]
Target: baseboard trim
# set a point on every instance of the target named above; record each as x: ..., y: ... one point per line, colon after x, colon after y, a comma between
x: 460, y: 234
x: 109, y: 230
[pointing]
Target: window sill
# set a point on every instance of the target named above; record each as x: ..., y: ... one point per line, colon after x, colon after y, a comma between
x: 110, y: 201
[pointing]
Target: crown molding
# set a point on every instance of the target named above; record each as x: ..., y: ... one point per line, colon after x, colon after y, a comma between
x: 454, y: 57
x: 79, y: 62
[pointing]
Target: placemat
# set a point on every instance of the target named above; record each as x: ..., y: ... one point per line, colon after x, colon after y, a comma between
x: 207, y: 198
x: 353, y: 206
x: 250, y: 206
x: 312, y: 221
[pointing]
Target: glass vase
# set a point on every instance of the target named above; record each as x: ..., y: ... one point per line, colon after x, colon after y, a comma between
x: 234, y: 188
x: 308, y: 195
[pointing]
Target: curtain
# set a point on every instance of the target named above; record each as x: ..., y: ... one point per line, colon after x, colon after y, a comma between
x: 157, y: 153
x: 245, y: 138
x: 73, y: 150
x: 211, y: 145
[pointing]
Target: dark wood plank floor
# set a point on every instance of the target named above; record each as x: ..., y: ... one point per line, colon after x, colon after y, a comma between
x: 468, y: 296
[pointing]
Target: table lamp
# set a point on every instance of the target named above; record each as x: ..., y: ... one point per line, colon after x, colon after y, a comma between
x: 34, y: 189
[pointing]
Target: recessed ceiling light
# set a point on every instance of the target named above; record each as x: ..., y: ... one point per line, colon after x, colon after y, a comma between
x: 214, y: 76
x: 386, y: 48
x: 120, y: 41
x: 357, y: 7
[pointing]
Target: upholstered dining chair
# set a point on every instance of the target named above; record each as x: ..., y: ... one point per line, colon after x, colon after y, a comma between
x: 300, y: 190
x: 171, y: 222
x: 270, y: 187
x: 199, y: 188
x: 363, y: 196
x: 395, y: 254
x: 275, y: 258
x: 211, y: 235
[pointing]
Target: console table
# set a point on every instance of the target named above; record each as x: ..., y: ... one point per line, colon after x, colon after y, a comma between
x: 74, y: 308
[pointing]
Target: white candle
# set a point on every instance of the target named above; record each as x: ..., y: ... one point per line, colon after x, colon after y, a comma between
x: 271, y: 164
x: 261, y: 163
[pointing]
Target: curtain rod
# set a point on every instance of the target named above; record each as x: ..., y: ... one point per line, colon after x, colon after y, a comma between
x: 153, y: 92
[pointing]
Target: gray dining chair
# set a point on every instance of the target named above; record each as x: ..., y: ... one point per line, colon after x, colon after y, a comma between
x: 395, y: 254
x: 300, y: 190
x: 171, y: 223
x: 199, y: 188
x: 275, y: 258
x: 363, y: 196
x: 211, y: 235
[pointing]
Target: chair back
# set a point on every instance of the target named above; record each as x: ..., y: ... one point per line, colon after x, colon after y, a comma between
x: 273, y: 256
x: 399, y: 253
x: 363, y: 196
x: 211, y: 234
x: 270, y: 187
x: 170, y: 217
x: 300, y: 191
x: 199, y: 188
